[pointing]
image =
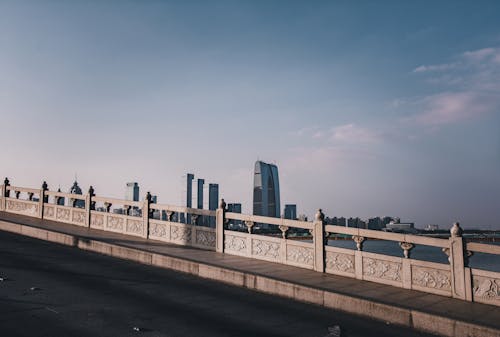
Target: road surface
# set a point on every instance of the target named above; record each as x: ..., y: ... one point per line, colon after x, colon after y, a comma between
x: 49, y: 290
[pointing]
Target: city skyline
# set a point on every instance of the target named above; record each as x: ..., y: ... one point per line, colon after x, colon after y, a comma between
x: 368, y: 110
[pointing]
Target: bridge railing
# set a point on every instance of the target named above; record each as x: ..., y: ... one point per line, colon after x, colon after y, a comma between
x: 279, y: 249
x: 273, y: 239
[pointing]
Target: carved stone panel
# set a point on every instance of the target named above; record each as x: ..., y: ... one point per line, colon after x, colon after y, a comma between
x: 431, y: 278
x: 97, y: 220
x: 486, y: 289
x: 78, y: 217
x: 21, y: 207
x: 301, y: 255
x: 180, y: 234
x: 265, y: 248
x: 115, y: 223
x: 382, y: 269
x: 205, y: 238
x: 235, y: 243
x: 134, y: 226
x: 340, y: 262
x: 48, y: 211
x: 63, y: 214
x: 158, y: 230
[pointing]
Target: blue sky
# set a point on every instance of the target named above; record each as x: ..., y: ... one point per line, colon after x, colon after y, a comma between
x: 368, y: 109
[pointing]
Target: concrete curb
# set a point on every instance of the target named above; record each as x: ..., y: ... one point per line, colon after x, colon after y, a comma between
x: 414, y: 319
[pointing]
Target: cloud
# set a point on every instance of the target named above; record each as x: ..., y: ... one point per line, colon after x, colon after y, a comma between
x: 435, y: 67
x: 353, y: 134
x: 470, y: 89
x: 452, y: 107
x: 342, y: 135
x: 481, y: 54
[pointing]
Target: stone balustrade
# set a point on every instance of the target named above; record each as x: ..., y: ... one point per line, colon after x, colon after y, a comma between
x: 209, y: 230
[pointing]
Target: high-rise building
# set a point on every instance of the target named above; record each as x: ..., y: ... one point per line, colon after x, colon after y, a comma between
x: 234, y: 207
x: 199, y: 198
x: 189, y: 190
x: 213, y: 201
x: 290, y: 212
x: 213, y: 196
x: 266, y: 190
x: 132, y: 192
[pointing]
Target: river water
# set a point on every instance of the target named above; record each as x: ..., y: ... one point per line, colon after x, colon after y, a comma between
x: 420, y: 252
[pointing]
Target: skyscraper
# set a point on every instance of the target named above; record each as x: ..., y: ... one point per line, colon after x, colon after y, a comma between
x: 290, y: 212
x: 213, y: 196
x: 199, y: 199
x: 189, y: 190
x: 266, y: 190
x: 213, y: 200
x: 132, y: 191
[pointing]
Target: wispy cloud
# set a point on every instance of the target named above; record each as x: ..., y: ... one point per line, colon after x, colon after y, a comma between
x: 435, y: 67
x: 342, y: 135
x: 353, y: 134
x: 452, y: 107
x: 470, y: 88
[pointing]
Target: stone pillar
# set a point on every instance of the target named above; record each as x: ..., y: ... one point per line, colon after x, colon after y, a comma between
x: 319, y: 241
x: 145, y: 214
x: 219, y: 226
x: 4, y: 194
x: 457, y: 263
x: 89, y: 206
x: 43, y: 198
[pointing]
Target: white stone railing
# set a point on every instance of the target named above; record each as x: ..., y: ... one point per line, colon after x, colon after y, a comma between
x: 208, y: 229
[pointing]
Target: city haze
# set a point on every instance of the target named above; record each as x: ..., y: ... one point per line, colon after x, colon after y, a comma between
x: 367, y: 110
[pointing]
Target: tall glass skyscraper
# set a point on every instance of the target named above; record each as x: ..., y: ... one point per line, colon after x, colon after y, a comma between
x: 132, y: 191
x: 266, y: 190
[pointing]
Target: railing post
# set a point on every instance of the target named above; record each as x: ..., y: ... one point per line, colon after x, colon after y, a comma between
x: 145, y: 214
x: 43, y: 198
x: 89, y: 206
x: 219, y: 226
x: 459, y: 288
x: 5, y: 193
x: 319, y: 241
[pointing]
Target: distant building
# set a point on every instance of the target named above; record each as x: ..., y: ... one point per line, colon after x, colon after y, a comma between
x: 199, y: 199
x: 356, y: 223
x: 431, y: 228
x: 132, y: 192
x: 60, y: 200
x: 400, y: 227
x: 213, y: 196
x: 375, y: 223
x: 235, y: 208
x: 189, y: 190
x: 302, y: 217
x: 290, y: 212
x: 75, y: 189
x: 266, y: 190
x: 213, y: 201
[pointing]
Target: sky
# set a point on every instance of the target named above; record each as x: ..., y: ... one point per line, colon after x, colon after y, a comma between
x: 386, y: 108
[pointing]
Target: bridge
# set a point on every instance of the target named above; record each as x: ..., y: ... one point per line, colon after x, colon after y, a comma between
x: 449, y: 299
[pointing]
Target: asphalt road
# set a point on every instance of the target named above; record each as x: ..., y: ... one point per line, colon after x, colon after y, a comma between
x: 51, y: 290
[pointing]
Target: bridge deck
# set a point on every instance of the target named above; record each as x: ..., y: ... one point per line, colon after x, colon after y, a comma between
x: 423, y: 311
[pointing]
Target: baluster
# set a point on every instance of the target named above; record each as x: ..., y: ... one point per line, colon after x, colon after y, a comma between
x: 359, y: 241
x: 284, y: 230
x: 407, y: 247
x: 249, y: 225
